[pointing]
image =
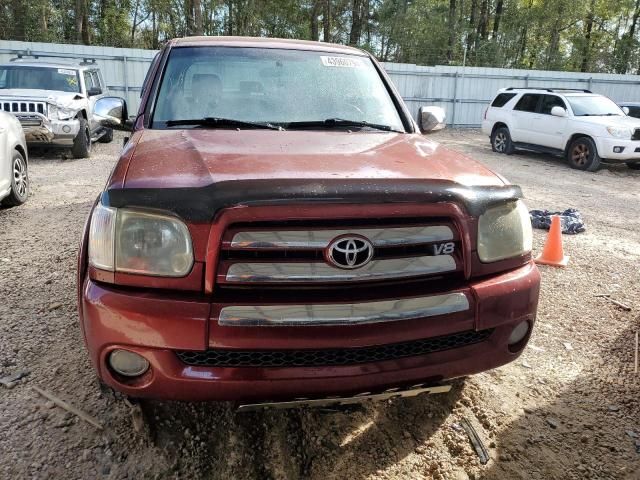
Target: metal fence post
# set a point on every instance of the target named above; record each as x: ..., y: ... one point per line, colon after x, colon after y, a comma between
x: 590, y: 82
x: 125, y: 77
x: 526, y: 81
x: 455, y: 99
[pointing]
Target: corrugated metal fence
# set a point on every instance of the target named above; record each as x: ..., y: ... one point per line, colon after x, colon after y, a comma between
x: 463, y: 92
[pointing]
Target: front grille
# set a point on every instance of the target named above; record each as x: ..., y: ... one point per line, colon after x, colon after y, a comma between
x: 14, y: 106
x: 330, y: 357
x: 636, y: 134
x: 298, y: 252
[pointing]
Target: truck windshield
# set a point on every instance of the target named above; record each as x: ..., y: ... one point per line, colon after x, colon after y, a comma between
x: 39, y: 78
x: 587, y: 106
x: 287, y: 88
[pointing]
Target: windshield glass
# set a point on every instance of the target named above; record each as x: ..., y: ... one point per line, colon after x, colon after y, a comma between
x: 39, y: 78
x: 587, y: 106
x: 272, y: 86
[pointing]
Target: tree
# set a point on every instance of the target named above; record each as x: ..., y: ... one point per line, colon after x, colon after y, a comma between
x: 587, y: 35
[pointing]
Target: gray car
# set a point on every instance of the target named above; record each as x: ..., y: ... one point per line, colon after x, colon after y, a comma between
x: 54, y: 102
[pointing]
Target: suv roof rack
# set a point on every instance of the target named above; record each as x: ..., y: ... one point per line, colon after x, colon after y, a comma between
x: 551, y: 89
x: 20, y: 55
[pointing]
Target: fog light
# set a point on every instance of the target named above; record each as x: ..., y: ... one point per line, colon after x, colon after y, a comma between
x: 618, y: 149
x: 128, y: 364
x: 66, y: 129
x: 519, y: 332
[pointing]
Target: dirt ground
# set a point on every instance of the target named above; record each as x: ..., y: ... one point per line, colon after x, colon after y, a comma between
x: 567, y: 408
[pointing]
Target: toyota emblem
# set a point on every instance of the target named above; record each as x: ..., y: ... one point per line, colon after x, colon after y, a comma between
x: 349, y: 252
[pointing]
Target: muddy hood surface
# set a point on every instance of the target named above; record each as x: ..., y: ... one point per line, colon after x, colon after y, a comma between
x: 200, y: 157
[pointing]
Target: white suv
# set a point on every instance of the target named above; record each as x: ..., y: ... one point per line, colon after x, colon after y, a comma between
x: 584, y: 127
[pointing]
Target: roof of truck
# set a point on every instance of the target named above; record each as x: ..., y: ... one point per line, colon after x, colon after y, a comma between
x: 50, y: 64
x: 258, y: 42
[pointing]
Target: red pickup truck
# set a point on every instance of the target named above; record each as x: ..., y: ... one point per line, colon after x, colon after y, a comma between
x: 278, y: 229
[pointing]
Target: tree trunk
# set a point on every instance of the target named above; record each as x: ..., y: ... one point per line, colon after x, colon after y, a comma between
x: 326, y: 21
x: 86, y: 32
x: 626, y: 42
x: 230, y: 21
x: 452, y: 29
x: 44, y: 24
x: 588, y: 28
x: 356, y: 22
x: 188, y: 16
x: 471, y: 37
x: 135, y: 21
x: 19, y: 19
x: 315, y: 28
x: 484, y: 20
x: 154, y: 27
x: 197, y: 17
x: 497, y: 18
x: 79, y: 18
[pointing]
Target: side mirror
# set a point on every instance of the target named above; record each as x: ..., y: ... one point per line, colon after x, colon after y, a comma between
x: 111, y: 112
x: 93, y: 91
x: 625, y: 110
x: 558, y: 111
x: 431, y: 119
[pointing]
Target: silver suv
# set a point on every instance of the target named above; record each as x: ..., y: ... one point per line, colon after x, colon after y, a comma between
x: 54, y: 102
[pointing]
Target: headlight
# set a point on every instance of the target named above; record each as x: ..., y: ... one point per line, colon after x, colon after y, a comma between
x: 134, y: 241
x: 619, y: 132
x: 504, y: 232
x: 61, y: 113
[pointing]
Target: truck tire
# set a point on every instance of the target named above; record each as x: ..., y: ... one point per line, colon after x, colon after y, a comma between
x: 501, y: 141
x: 107, y: 137
x: 82, y: 143
x: 583, y: 155
x: 633, y: 165
x: 19, y: 181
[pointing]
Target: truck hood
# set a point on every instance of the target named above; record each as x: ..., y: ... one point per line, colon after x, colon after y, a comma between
x: 62, y: 99
x: 621, y: 121
x: 200, y: 157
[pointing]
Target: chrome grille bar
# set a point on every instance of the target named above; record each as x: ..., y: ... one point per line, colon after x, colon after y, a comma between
x: 380, y: 237
x: 343, y: 314
x: 268, y: 272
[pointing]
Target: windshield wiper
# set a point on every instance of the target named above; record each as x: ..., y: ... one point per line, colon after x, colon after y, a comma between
x: 340, y: 122
x: 222, y: 122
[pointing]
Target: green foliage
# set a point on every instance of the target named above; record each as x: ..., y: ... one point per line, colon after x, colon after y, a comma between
x: 588, y: 35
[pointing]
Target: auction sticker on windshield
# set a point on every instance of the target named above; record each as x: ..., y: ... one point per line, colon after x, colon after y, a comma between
x: 344, y: 62
x: 64, y: 71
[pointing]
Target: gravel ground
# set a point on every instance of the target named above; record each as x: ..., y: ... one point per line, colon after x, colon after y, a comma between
x: 568, y: 408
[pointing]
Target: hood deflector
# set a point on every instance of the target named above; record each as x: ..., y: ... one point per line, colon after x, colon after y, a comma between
x: 201, y: 204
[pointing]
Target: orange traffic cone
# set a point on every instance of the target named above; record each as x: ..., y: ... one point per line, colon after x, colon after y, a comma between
x: 552, y: 253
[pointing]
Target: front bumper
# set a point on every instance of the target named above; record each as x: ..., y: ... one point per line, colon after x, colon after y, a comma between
x: 38, y: 129
x: 158, y: 326
x: 607, y: 145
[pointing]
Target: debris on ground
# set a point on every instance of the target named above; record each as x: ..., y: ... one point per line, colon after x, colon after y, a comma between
x: 570, y: 219
x: 623, y: 306
x: 553, y: 423
x: 70, y: 408
x: 10, y: 380
x: 478, y: 446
